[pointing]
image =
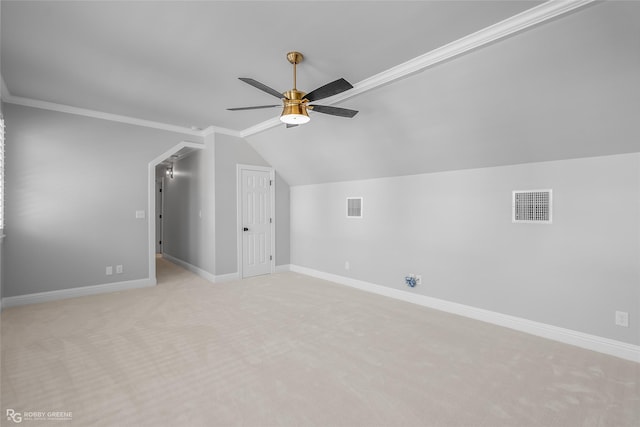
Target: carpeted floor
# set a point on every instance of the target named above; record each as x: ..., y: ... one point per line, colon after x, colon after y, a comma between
x: 290, y: 350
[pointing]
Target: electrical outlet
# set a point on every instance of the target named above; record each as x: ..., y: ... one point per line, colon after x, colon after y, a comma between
x: 347, y: 266
x: 622, y: 318
x: 410, y: 280
x: 418, y: 279
x: 119, y: 269
x: 109, y: 271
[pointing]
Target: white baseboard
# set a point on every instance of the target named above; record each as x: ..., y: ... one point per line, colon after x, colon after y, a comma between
x: 282, y: 268
x: 75, y: 292
x: 200, y: 272
x: 108, y: 287
x: 226, y: 277
x: 591, y: 342
x: 219, y: 277
x: 190, y: 267
x: 236, y: 276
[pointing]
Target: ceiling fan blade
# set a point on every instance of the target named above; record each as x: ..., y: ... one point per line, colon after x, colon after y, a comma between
x: 262, y: 87
x: 253, y: 108
x: 328, y: 90
x: 290, y: 126
x: 334, y: 111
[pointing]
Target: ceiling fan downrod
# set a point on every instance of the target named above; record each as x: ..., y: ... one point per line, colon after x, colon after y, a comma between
x: 295, y: 58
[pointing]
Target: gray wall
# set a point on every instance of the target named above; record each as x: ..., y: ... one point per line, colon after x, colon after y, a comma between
x: 455, y: 229
x: 205, y: 181
x: 73, y: 186
x: 231, y: 151
x: 1, y: 269
x: 283, y: 222
x: 1, y: 243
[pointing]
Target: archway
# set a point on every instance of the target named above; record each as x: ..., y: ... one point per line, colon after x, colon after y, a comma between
x: 180, y: 150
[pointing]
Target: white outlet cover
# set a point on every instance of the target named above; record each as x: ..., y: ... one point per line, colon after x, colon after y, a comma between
x: 139, y: 214
x: 118, y: 269
x: 622, y: 318
x: 109, y: 271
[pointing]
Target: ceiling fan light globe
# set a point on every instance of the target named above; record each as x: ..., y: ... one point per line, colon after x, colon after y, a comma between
x: 294, y: 119
x: 294, y: 114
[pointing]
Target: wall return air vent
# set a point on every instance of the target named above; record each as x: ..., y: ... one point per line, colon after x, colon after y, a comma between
x: 354, y: 207
x: 531, y: 206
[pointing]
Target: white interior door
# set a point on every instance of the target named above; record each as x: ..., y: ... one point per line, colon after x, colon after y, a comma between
x: 255, y: 206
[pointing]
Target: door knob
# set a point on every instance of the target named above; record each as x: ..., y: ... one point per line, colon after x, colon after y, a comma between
x: 245, y: 229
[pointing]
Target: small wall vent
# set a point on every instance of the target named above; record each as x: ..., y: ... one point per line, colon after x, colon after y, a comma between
x: 354, y: 207
x: 533, y: 206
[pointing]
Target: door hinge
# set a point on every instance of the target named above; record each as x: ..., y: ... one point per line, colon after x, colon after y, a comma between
x: 270, y: 183
x: 160, y: 242
x: 270, y: 257
x: 161, y: 190
x: 159, y: 216
x: 270, y: 220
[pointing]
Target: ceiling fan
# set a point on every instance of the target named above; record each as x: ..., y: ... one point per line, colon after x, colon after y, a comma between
x: 296, y: 103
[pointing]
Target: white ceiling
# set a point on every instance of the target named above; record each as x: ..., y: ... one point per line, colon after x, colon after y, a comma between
x: 178, y: 62
x: 565, y: 88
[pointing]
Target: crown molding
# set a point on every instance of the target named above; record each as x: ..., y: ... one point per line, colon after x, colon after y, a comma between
x: 36, y: 103
x: 4, y: 91
x: 520, y: 22
x: 514, y: 24
x: 218, y: 129
x: 260, y: 127
x: 500, y: 30
x: 208, y: 131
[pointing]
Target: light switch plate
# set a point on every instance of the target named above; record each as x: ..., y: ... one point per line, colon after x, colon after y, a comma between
x: 139, y: 214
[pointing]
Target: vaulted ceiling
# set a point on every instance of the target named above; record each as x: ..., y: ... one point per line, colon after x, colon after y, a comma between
x: 567, y: 87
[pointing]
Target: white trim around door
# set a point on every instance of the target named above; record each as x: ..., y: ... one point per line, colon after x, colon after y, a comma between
x: 240, y: 226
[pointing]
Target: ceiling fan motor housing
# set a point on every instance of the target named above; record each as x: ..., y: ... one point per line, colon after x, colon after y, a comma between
x: 295, y: 108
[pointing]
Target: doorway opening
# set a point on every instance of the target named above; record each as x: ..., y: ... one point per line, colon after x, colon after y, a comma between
x: 158, y: 171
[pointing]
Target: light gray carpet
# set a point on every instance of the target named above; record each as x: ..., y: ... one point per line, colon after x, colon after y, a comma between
x: 290, y: 350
